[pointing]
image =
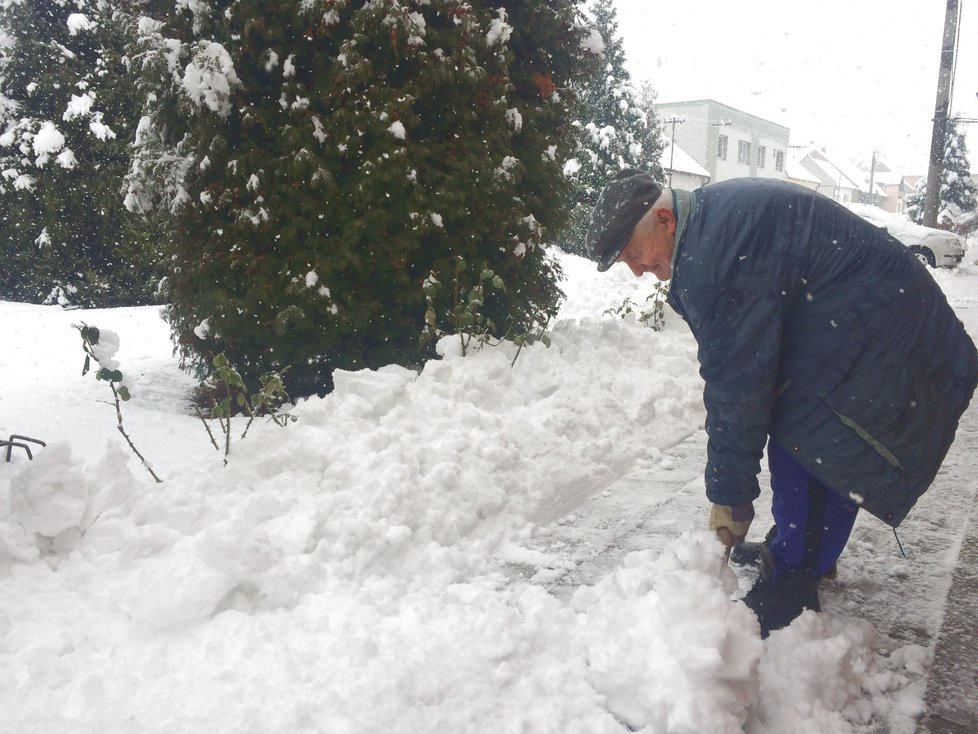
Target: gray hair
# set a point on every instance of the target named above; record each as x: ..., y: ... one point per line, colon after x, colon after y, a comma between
x: 663, y: 202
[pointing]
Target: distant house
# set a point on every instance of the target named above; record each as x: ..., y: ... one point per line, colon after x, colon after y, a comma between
x: 890, y: 191
x: 897, y: 187
x: 727, y: 142
x: 797, y: 173
x: 833, y: 180
x: 682, y: 172
x: 890, y: 188
x: 849, y: 183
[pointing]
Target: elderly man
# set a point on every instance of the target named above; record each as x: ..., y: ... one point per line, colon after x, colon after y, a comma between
x: 821, y: 337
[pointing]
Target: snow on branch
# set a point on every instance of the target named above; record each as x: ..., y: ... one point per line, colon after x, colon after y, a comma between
x: 499, y: 30
x: 209, y: 78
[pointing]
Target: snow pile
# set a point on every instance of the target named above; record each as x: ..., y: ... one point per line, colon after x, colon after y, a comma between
x: 667, y: 647
x: 354, y: 572
x: 420, y: 476
x: 339, y: 574
x: 821, y: 675
x: 51, y: 495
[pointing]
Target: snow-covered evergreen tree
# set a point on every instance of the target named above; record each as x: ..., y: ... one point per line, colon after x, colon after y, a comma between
x: 324, y: 159
x: 68, y: 111
x: 959, y: 196
x: 614, y: 131
x: 914, y: 201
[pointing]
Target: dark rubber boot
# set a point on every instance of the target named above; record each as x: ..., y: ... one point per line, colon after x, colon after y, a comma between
x: 778, y: 602
x: 759, y: 555
x: 756, y: 554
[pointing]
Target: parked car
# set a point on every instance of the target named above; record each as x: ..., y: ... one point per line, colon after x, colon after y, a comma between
x: 933, y: 247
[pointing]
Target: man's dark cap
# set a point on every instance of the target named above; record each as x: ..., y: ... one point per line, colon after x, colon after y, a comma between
x: 626, y: 198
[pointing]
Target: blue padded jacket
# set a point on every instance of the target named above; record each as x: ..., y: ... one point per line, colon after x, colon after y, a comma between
x: 821, y: 330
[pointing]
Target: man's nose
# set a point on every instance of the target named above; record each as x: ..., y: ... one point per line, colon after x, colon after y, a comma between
x: 637, y: 269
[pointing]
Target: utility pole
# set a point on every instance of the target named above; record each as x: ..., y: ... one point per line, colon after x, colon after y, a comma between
x: 872, y: 175
x: 945, y: 84
x: 672, y: 148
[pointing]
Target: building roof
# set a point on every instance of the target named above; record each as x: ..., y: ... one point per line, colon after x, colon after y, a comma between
x: 797, y: 172
x: 828, y: 173
x: 886, y: 178
x: 682, y: 162
x: 720, y: 106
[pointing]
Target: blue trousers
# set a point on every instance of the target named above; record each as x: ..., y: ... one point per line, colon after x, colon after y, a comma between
x: 813, y: 522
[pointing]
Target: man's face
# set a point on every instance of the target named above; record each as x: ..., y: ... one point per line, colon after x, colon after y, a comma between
x: 650, y: 248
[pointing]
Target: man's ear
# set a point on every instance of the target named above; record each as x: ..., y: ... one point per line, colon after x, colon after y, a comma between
x: 664, y: 217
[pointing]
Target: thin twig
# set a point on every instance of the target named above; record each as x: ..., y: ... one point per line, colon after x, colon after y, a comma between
x: 227, y: 427
x: 207, y: 428
x: 246, y: 408
x: 118, y: 415
x: 227, y: 436
x: 251, y: 419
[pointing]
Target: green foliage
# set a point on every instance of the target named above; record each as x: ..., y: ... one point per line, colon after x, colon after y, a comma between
x: 615, y: 130
x: 229, y: 396
x: 538, y: 334
x: 548, y: 61
x: 110, y: 373
x: 331, y: 155
x: 68, y: 116
x: 651, y: 313
x: 462, y: 307
x: 465, y: 310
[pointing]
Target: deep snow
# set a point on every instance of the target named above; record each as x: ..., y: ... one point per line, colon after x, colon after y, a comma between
x: 477, y: 548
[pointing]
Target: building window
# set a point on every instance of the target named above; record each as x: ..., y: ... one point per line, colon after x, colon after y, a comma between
x: 779, y: 160
x: 761, y: 155
x: 743, y: 152
x: 722, y: 148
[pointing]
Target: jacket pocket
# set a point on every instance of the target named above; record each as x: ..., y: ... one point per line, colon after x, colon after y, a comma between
x: 878, y: 446
x: 903, y: 408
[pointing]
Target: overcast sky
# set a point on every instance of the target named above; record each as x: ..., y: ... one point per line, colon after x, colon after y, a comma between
x: 850, y: 75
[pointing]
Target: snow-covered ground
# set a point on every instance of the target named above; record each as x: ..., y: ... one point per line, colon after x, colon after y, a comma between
x: 482, y: 547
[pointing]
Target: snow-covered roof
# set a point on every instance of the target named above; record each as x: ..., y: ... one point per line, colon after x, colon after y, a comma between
x: 794, y: 170
x: 880, y: 178
x: 859, y: 178
x: 682, y: 162
x: 811, y: 165
x: 829, y: 173
x: 886, y: 178
x: 816, y: 172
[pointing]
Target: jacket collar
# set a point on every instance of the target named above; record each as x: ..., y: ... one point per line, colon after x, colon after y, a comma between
x: 683, y: 206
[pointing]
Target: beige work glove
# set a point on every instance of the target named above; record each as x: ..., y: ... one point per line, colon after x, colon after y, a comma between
x: 731, y: 522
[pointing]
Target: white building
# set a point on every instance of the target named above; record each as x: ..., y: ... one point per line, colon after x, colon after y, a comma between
x: 725, y: 141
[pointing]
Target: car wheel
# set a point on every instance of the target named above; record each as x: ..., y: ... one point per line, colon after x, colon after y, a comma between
x: 925, y: 255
